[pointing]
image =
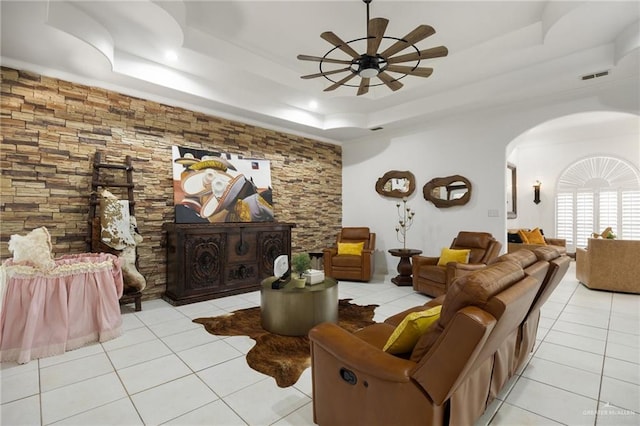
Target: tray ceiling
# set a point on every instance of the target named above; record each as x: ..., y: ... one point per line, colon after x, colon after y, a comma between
x: 237, y: 59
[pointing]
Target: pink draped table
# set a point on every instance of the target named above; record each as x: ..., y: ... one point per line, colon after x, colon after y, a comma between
x: 46, y: 313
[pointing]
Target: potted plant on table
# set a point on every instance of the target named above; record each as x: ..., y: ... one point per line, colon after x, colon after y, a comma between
x: 300, y: 263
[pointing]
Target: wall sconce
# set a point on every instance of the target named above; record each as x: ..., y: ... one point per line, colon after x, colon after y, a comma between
x: 536, y: 192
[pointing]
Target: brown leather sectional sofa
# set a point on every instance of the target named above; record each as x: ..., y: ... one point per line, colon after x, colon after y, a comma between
x: 484, y: 335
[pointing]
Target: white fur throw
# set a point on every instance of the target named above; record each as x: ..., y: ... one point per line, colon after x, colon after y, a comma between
x: 33, y: 248
x: 115, y: 222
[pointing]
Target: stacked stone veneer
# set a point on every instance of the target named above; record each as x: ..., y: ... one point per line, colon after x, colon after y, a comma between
x: 52, y: 128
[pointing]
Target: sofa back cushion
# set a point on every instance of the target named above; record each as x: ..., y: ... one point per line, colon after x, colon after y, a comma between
x: 523, y: 258
x: 474, y: 289
x: 546, y: 253
x: 534, y: 265
x: 360, y: 234
x: 357, y: 235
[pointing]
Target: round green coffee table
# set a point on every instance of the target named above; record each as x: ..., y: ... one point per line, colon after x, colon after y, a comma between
x: 292, y: 311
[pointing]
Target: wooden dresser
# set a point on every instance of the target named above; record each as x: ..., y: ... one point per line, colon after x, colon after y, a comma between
x: 206, y: 261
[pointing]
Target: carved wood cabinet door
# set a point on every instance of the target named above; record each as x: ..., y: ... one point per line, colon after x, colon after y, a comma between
x: 205, y: 261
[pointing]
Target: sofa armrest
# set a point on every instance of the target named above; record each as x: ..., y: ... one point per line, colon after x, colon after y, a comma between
x: 418, y: 261
x: 456, y: 270
x: 582, y: 265
x: 329, y: 252
x: 355, y: 353
x: 444, y: 366
x: 464, y: 267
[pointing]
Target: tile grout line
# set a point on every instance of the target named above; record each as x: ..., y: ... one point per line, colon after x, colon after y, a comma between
x: 604, y: 358
x: 40, y: 394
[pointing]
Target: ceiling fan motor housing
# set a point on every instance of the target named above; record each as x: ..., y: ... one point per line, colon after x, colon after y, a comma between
x: 370, y: 66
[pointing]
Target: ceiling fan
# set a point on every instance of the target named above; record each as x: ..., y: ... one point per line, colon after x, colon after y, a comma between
x: 373, y: 64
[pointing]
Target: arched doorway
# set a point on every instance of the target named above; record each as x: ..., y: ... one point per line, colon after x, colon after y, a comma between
x: 546, y: 151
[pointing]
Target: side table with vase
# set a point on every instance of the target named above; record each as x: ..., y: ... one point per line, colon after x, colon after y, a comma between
x: 405, y: 220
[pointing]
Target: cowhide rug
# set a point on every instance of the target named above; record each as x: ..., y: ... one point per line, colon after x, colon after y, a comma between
x: 281, y: 357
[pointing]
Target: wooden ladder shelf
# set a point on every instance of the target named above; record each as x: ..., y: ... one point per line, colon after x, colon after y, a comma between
x: 115, y: 178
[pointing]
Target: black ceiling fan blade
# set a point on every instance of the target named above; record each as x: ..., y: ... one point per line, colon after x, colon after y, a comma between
x: 417, y: 71
x: 339, y: 43
x: 340, y: 83
x: 364, y: 86
x: 322, y: 74
x: 327, y: 60
x: 377, y: 27
x: 434, y: 52
x: 391, y: 83
x: 418, y: 34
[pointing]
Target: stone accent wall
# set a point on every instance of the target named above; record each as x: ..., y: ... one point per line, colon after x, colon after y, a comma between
x: 52, y: 128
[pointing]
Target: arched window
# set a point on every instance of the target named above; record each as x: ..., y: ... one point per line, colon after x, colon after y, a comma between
x: 595, y: 193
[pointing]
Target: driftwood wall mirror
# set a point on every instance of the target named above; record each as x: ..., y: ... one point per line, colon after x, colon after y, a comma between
x: 448, y: 191
x: 396, y: 184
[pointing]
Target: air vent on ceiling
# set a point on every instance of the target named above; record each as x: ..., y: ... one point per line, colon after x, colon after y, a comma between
x: 596, y: 75
x: 373, y: 129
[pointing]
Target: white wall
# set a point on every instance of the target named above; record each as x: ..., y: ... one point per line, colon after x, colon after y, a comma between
x: 473, y: 145
x: 545, y: 152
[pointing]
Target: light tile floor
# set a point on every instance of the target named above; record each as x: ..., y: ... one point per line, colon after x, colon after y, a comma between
x: 167, y: 370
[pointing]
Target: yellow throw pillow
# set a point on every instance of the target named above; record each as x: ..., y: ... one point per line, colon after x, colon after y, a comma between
x: 453, y: 255
x: 406, y: 334
x: 351, y: 248
x: 534, y: 237
x: 523, y: 236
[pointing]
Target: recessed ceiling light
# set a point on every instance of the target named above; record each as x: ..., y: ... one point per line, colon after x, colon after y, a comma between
x: 313, y: 104
x: 171, y: 55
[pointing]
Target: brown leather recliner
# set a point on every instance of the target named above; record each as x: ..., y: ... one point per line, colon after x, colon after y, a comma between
x: 545, y: 264
x: 444, y: 380
x: 434, y: 280
x: 349, y: 266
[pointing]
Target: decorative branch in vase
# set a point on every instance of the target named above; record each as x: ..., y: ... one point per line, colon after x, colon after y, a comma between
x: 405, y: 220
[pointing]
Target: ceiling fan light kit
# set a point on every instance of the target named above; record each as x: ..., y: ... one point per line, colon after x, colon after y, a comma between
x: 372, y: 64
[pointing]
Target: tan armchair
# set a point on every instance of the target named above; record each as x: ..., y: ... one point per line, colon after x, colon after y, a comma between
x: 609, y: 265
x: 434, y: 280
x: 350, y: 266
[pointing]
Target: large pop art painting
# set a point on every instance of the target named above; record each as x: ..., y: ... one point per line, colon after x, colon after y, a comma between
x: 219, y: 187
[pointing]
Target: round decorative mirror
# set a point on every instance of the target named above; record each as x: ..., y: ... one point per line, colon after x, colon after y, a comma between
x: 396, y: 184
x: 448, y: 191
